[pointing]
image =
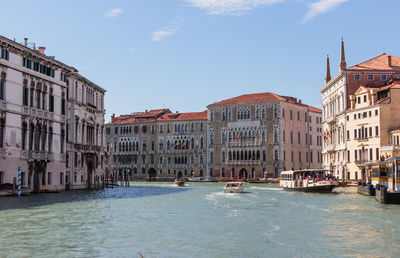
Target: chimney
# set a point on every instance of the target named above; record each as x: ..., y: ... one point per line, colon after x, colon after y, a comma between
x: 299, y: 101
x: 41, y: 50
x: 26, y: 42
x: 389, y: 61
x: 112, y: 117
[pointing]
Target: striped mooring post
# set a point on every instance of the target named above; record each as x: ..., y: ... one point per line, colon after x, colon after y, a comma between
x: 19, y: 181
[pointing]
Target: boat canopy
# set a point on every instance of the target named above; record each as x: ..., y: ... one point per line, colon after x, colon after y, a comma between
x: 307, y: 171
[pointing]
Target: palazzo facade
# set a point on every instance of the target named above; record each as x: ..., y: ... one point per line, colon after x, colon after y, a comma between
x: 260, y: 135
x: 35, y: 118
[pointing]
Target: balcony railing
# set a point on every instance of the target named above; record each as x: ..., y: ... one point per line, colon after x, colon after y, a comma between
x: 37, y: 155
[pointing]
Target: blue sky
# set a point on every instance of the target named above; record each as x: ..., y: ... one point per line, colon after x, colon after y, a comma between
x: 186, y: 54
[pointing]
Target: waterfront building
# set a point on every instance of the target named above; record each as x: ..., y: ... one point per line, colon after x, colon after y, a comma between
x: 260, y: 134
x: 372, y: 122
x: 336, y: 92
x: 35, y: 112
x: 157, y: 145
x: 85, y: 142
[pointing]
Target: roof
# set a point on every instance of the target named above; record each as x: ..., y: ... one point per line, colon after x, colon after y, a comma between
x: 264, y: 96
x: 248, y: 98
x: 157, y: 115
x: 184, y: 116
x: 314, y: 109
x: 397, y: 129
x: 377, y: 63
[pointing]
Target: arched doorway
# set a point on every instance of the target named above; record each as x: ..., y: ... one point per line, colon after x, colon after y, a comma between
x: 152, y: 174
x: 253, y: 172
x: 179, y: 174
x: 233, y: 172
x: 243, y: 173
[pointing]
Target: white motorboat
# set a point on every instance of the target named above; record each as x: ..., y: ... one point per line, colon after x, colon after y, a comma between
x: 234, y: 187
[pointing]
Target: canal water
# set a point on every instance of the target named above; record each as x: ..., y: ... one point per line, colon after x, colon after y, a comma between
x: 199, y: 220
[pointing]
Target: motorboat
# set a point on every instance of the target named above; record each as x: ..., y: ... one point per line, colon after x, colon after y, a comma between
x: 308, y: 180
x: 234, y: 187
x: 203, y: 179
x: 179, y: 182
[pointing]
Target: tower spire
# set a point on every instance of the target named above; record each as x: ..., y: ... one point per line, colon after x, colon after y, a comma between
x: 328, y: 70
x: 343, y: 64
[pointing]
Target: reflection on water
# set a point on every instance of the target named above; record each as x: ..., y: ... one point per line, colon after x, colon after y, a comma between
x: 199, y: 220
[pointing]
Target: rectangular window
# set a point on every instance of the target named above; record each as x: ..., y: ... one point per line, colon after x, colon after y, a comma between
x: 365, y: 98
x: 348, y: 135
x: 370, y: 132
x: 357, y: 77
x: 291, y: 115
x: 298, y: 138
x: 377, y: 154
x: 355, y: 154
x: 376, y: 130
x: 370, y: 77
x: 370, y: 154
x: 348, y: 155
x: 355, y: 133
x: 376, y: 112
x: 383, y: 77
x: 61, y: 178
x: 49, y: 178
x: 5, y: 54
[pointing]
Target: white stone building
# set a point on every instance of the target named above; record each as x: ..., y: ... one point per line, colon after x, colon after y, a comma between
x: 36, y: 107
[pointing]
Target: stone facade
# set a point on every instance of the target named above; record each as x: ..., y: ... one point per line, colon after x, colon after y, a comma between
x: 35, y: 112
x: 257, y: 135
x: 157, y: 145
x: 336, y: 102
x: 372, y: 121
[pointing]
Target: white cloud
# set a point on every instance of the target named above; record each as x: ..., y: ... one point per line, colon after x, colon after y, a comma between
x: 320, y: 7
x: 115, y: 12
x: 169, y: 30
x: 230, y: 7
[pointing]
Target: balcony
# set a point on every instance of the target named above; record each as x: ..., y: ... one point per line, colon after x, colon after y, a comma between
x: 37, y: 155
x: 242, y: 162
x: 243, y: 144
x: 39, y: 113
x: 331, y: 120
x: 330, y: 147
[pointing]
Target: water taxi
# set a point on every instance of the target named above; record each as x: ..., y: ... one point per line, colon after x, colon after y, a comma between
x: 179, y: 182
x: 308, y: 180
x: 234, y: 187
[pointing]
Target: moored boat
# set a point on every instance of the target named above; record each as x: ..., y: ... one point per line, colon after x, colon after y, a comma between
x: 203, y: 179
x: 308, y: 180
x: 234, y: 187
x: 264, y: 181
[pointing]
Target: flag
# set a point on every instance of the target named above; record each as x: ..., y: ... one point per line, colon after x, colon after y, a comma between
x: 239, y: 135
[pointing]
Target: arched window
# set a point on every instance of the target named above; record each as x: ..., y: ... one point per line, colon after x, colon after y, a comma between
x: 230, y: 155
x: 223, y: 156
x: 223, y: 172
x: 168, y: 145
x: 192, y: 143
x: 23, y: 135
x: 276, y: 156
x: 201, y: 143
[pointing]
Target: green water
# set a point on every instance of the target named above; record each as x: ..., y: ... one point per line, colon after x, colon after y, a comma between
x: 199, y: 220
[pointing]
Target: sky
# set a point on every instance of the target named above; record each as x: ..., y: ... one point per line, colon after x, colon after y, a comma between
x: 186, y: 54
